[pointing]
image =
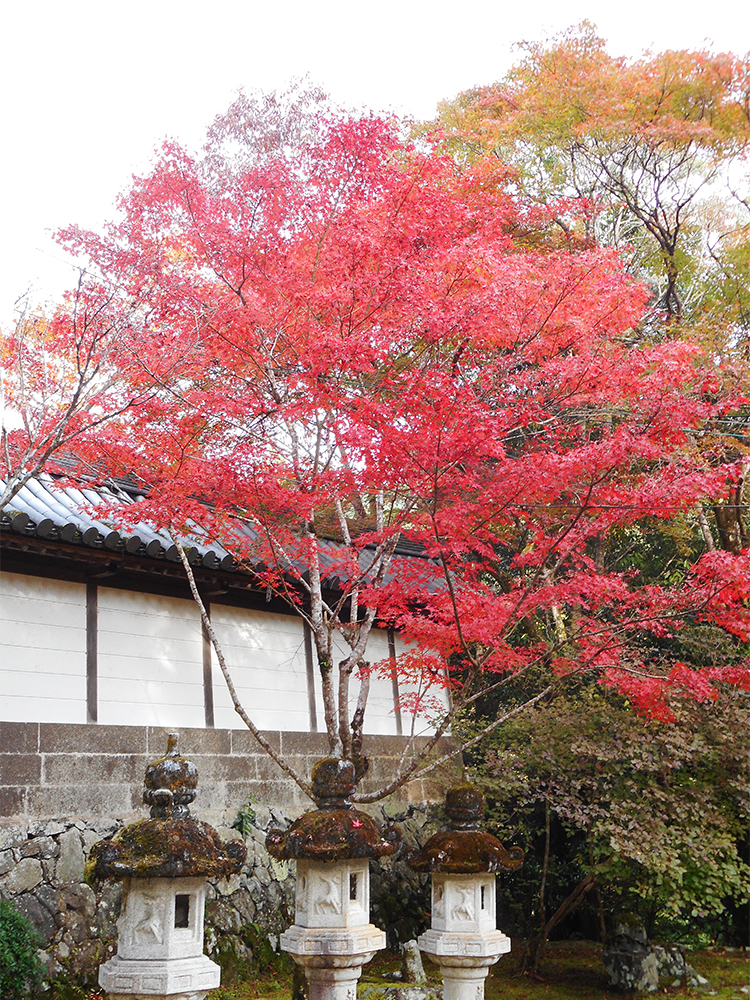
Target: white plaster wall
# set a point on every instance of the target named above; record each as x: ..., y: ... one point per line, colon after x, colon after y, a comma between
x: 150, y: 660
x: 266, y: 657
x: 380, y: 717
x: 42, y: 650
x: 419, y: 724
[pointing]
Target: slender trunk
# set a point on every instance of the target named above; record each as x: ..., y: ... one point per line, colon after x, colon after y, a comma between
x: 535, y: 946
x: 703, y: 524
x: 304, y: 785
x: 545, y: 864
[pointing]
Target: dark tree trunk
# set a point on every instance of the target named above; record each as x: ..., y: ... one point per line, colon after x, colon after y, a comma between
x: 534, y: 949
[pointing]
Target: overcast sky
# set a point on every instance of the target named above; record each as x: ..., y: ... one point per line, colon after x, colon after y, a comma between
x: 90, y: 87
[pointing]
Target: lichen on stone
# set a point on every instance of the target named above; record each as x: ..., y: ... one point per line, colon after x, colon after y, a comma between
x: 165, y: 848
x: 464, y: 848
x: 333, y: 835
x: 334, y: 831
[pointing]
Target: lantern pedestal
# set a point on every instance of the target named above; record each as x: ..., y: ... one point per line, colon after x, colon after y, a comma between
x: 332, y: 937
x: 464, y: 940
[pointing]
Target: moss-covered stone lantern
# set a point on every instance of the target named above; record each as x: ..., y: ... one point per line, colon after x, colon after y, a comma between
x: 464, y: 940
x: 332, y: 937
x: 164, y: 863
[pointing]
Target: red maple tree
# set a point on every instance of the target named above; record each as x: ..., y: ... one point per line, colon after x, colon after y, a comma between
x: 349, y: 346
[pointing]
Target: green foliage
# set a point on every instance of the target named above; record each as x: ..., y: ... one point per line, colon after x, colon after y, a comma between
x: 246, y: 816
x: 20, y: 968
x: 656, y: 811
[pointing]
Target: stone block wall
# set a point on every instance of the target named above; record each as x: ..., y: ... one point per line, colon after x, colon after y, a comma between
x: 63, y: 787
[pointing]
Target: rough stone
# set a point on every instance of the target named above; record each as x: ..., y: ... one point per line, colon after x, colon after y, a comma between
x: 38, y: 915
x: 263, y: 876
x: 69, y: 867
x: 11, y: 836
x: 228, y: 886
x: 671, y: 962
x: 50, y: 965
x: 25, y: 876
x: 6, y: 861
x: 223, y: 916
x: 280, y: 870
x: 49, y: 898
x: 76, y: 926
x: 80, y: 898
x: 108, y: 909
x: 90, y: 837
x: 245, y: 906
x: 630, y: 963
x: 40, y: 847
x: 412, y: 970
x: 405, y: 993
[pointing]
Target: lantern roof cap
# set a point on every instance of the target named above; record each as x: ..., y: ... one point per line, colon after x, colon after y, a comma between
x: 171, y: 843
x: 463, y: 847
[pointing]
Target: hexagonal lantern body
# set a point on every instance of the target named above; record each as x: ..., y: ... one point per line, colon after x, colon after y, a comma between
x: 463, y: 939
x: 333, y: 894
x: 164, y: 863
x: 160, y: 942
x: 463, y: 904
x: 332, y: 937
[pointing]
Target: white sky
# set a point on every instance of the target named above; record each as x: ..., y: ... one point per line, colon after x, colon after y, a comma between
x: 88, y: 88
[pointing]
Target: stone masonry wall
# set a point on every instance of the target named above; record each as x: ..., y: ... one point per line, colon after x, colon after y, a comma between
x: 64, y: 787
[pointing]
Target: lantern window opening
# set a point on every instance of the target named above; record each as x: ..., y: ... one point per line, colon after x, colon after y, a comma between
x: 182, y: 909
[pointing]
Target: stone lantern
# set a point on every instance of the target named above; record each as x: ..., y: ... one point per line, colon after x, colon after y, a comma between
x: 332, y: 937
x: 164, y: 863
x: 464, y: 940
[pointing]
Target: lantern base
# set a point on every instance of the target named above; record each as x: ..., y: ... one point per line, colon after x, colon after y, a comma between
x: 178, y: 978
x: 464, y: 959
x: 332, y: 959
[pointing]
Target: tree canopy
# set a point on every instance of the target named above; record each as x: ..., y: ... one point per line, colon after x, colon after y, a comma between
x: 355, y: 343
x: 649, y: 155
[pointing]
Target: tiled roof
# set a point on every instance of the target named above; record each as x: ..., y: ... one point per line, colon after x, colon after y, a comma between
x: 45, y: 509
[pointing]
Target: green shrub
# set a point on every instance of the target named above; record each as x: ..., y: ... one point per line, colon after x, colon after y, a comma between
x: 20, y: 968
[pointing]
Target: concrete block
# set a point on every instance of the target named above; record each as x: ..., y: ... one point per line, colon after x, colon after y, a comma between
x: 12, y: 801
x: 67, y: 769
x: 20, y: 769
x: 222, y: 767
x: 192, y: 741
x: 19, y: 737
x: 243, y: 742
x: 58, y: 801
x: 82, y: 739
x: 313, y: 745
